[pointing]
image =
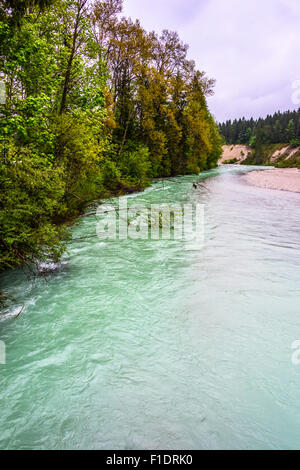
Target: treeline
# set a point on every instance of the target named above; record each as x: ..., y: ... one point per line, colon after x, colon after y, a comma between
x: 279, y: 128
x: 95, y: 105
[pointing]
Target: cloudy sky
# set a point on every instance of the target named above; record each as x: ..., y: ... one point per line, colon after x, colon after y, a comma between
x: 251, y: 47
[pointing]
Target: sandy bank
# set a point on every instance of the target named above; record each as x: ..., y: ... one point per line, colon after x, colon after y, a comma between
x: 239, y: 153
x: 284, y: 179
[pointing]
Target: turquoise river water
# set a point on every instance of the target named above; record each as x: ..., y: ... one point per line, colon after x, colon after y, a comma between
x: 147, y: 344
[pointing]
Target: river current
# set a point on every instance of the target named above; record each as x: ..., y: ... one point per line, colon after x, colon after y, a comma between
x: 147, y: 344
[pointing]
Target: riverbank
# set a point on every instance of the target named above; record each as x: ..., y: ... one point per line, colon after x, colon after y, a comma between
x: 280, y: 155
x: 283, y: 179
x: 234, y: 154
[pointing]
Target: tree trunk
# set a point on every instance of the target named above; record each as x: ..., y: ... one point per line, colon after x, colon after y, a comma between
x: 71, y: 57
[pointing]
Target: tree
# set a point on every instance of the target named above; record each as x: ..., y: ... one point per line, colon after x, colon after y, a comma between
x: 277, y: 131
x: 14, y: 10
x: 290, y: 131
x: 75, y: 43
x: 278, y: 128
x: 95, y: 106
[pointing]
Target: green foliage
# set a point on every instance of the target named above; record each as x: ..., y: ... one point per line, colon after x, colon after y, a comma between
x: 293, y: 162
x: 30, y: 196
x: 78, y: 151
x: 290, y: 131
x: 134, y: 165
x: 252, y: 142
x: 279, y: 128
x: 111, y: 175
x: 232, y: 161
x: 262, y: 157
x: 14, y: 10
x: 295, y: 143
x: 95, y: 105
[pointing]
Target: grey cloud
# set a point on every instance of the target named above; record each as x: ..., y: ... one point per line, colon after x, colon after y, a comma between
x: 250, y: 47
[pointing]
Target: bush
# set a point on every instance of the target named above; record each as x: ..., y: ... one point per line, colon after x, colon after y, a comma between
x: 135, y: 166
x: 232, y: 161
x: 30, y: 197
x: 111, y: 176
x: 79, y: 153
x: 295, y: 143
x: 252, y: 142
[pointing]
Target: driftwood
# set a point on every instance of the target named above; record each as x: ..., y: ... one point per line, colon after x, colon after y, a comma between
x: 20, y: 311
x: 89, y: 214
x: 11, y: 315
x: 199, y: 185
x: 195, y: 185
x: 83, y: 238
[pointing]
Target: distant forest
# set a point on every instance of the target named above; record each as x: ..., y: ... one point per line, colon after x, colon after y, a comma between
x: 279, y: 128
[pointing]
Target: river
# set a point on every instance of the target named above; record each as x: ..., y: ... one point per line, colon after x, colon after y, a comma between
x: 147, y: 344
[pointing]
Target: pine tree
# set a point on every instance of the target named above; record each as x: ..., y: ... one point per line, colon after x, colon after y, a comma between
x: 290, y: 131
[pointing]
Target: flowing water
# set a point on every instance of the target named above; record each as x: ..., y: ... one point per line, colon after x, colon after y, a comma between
x: 139, y: 344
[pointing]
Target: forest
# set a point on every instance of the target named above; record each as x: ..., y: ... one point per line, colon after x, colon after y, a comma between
x: 278, y: 128
x: 94, y: 106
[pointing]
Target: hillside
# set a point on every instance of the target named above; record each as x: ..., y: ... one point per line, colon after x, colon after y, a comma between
x: 280, y: 155
x: 235, y: 154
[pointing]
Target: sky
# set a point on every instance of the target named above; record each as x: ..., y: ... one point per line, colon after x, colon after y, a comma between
x: 251, y: 48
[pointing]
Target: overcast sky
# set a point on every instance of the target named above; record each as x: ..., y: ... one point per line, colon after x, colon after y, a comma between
x: 251, y: 47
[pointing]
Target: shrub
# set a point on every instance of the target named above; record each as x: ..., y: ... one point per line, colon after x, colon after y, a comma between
x: 111, y: 176
x: 30, y: 197
x: 295, y: 143
x: 135, y: 165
